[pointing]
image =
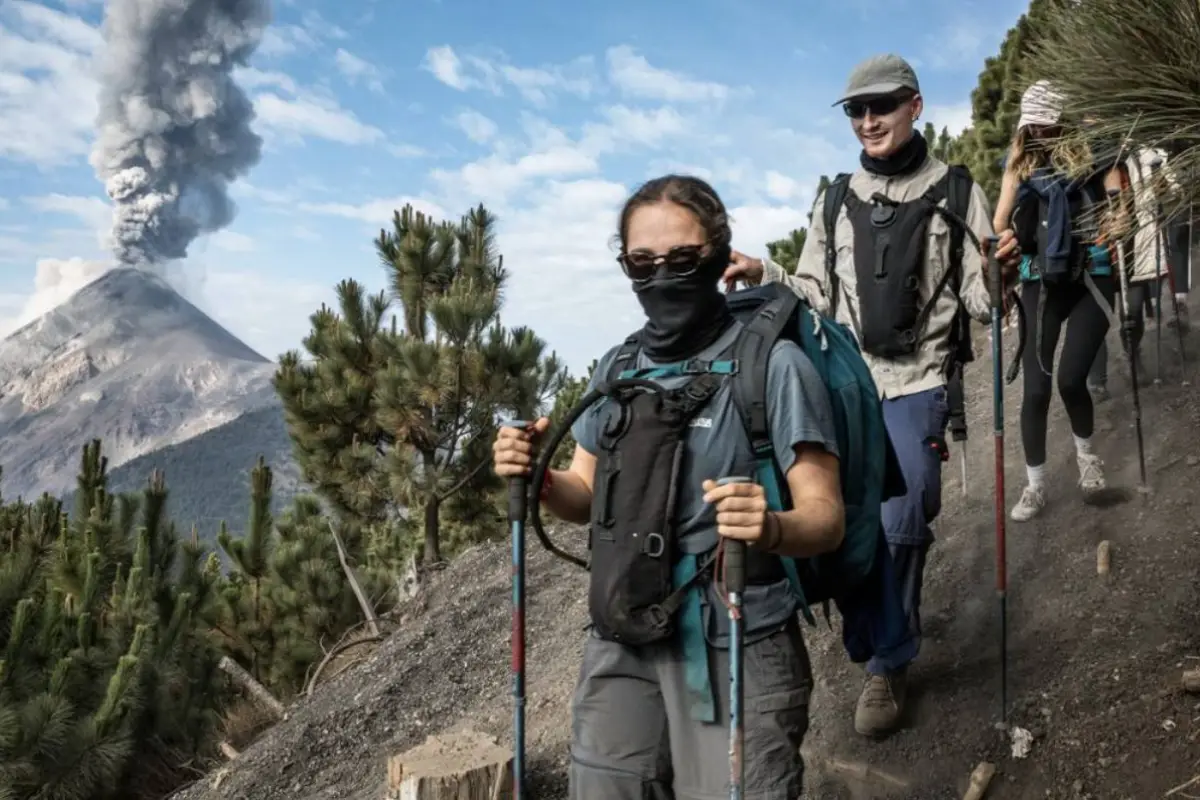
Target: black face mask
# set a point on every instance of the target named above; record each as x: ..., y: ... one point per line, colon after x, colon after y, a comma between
x: 684, y: 314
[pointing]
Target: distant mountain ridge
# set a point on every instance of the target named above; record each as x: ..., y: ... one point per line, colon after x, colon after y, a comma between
x: 128, y: 360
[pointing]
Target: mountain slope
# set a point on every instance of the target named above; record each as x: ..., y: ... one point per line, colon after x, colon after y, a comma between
x: 208, y: 476
x: 128, y: 360
x: 1094, y: 661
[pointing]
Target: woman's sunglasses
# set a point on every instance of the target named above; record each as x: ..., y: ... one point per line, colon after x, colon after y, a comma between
x: 681, y: 261
x: 878, y: 106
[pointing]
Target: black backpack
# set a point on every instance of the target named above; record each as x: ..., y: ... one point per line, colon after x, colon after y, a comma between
x: 956, y: 188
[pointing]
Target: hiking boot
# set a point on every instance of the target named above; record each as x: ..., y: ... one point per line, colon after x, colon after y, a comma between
x: 881, y: 704
x: 1091, y: 473
x: 1033, y: 500
x: 1100, y: 393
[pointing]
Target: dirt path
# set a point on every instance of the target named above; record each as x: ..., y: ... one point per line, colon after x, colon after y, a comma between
x: 1094, y: 662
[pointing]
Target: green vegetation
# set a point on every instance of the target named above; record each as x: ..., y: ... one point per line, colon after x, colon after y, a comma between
x: 128, y: 652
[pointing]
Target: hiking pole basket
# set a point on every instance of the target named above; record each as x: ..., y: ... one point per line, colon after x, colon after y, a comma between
x: 518, y: 497
x: 996, y: 295
x: 734, y: 574
x: 1130, y: 350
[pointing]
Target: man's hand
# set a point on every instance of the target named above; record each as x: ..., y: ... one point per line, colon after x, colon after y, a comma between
x: 742, y: 268
x: 1008, y: 255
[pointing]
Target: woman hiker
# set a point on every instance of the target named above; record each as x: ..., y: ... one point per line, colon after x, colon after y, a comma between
x: 1053, y: 194
x: 639, y: 729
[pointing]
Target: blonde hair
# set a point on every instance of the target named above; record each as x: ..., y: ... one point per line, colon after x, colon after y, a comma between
x: 1067, y: 154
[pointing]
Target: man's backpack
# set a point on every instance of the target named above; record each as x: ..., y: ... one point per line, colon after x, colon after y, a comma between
x: 870, y: 471
x: 956, y: 187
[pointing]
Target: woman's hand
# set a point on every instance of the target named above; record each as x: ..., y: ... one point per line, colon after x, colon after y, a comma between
x: 742, y: 513
x: 515, y: 449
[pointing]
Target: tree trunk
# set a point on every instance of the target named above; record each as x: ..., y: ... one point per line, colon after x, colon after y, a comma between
x: 433, y: 547
x: 456, y: 766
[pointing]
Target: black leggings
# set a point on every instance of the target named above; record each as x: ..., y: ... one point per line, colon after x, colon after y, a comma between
x: 1074, y: 307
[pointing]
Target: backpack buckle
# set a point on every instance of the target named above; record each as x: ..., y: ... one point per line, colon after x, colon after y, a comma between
x: 694, y: 366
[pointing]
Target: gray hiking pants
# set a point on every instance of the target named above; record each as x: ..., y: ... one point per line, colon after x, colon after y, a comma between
x: 633, y: 738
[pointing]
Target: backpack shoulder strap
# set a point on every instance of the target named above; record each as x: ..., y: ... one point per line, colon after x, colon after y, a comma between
x: 835, y: 197
x: 749, y: 386
x: 625, y: 358
x: 959, y: 184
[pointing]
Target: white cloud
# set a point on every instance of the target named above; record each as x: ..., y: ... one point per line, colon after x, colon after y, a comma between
x: 285, y: 39
x: 476, y: 126
x: 55, y: 280
x: 48, y: 99
x: 3, y: 204
x: 311, y: 115
x: 356, y: 69
x: 633, y: 75
x: 446, y: 66
x: 956, y: 118
x: 781, y: 187
x: 535, y: 84
x: 376, y: 212
x: 93, y: 212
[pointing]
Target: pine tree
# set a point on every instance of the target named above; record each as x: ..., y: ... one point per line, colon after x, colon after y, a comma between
x: 106, y: 684
x: 395, y: 419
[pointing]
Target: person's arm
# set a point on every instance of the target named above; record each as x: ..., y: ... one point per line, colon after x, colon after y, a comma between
x: 810, y: 280
x: 1007, y: 203
x: 800, y: 416
x: 974, y: 289
x: 569, y: 495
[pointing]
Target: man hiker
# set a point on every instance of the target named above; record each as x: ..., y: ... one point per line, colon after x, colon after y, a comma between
x: 874, y: 269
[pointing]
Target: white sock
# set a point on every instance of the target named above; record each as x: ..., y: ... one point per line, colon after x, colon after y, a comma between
x: 1180, y: 298
x: 1083, y: 447
x: 1036, y: 475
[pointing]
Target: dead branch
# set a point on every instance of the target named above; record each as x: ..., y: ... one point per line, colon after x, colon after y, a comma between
x: 980, y: 779
x: 336, y: 651
x: 228, y: 750
x: 368, y: 612
x: 247, y: 682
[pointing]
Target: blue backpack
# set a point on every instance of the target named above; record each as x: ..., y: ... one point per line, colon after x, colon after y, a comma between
x: 870, y: 470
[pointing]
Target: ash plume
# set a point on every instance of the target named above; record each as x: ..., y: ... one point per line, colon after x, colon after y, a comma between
x: 174, y: 128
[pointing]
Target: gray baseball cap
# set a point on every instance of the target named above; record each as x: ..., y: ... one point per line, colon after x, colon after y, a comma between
x: 879, y: 75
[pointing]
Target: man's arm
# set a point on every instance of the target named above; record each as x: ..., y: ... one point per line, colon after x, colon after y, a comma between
x: 810, y: 279
x: 974, y: 290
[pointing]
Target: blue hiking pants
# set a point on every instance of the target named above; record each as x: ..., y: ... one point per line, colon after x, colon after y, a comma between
x: 916, y: 424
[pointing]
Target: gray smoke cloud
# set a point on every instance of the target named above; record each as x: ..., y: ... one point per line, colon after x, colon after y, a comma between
x: 174, y: 128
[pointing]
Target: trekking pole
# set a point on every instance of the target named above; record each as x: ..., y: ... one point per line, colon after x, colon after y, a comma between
x: 518, y: 498
x: 1158, y: 369
x: 734, y: 569
x: 1161, y: 245
x: 996, y: 290
x: 1130, y: 351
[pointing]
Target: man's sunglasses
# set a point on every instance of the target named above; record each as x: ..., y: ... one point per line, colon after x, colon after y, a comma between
x: 681, y: 261
x: 878, y: 106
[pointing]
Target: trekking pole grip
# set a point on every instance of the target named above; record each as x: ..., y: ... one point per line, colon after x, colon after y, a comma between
x: 735, y: 550
x: 995, y: 279
x: 518, y: 485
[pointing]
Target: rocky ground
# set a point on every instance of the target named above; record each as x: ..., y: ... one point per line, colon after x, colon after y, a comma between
x: 1094, y: 662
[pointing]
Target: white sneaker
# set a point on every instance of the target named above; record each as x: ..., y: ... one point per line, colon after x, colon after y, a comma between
x: 1033, y: 500
x: 1091, y: 473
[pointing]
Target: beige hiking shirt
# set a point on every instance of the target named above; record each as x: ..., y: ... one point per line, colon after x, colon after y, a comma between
x: 925, y: 368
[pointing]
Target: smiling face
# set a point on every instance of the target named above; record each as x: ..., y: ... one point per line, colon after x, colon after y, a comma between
x: 884, y: 124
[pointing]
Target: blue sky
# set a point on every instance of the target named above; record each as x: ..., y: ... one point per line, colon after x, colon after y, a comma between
x: 547, y: 111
